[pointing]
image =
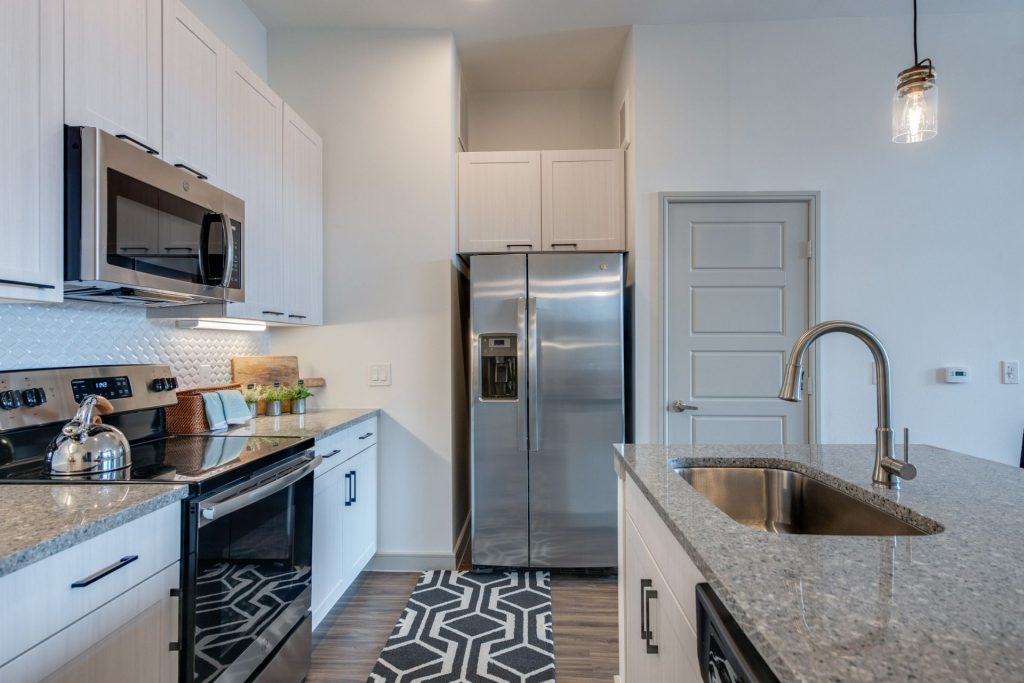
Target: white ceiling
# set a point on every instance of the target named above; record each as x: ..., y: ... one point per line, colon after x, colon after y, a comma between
x: 474, y: 21
x: 564, y: 44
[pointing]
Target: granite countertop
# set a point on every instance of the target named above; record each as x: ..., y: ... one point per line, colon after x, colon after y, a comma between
x: 943, y: 607
x: 318, y: 424
x: 42, y: 520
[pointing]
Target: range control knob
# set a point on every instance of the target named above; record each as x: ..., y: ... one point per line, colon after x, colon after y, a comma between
x: 171, y: 383
x: 40, y: 395
x: 30, y: 398
x: 9, y: 400
x: 158, y: 385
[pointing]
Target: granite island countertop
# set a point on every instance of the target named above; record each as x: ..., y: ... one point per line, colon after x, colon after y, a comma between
x: 942, y: 607
x: 318, y: 424
x: 44, y: 519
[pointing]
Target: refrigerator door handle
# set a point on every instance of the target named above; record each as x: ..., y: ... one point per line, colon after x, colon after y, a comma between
x: 533, y: 381
x: 522, y: 433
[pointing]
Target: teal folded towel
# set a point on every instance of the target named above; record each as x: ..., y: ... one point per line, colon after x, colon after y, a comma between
x: 236, y: 410
x: 214, y: 411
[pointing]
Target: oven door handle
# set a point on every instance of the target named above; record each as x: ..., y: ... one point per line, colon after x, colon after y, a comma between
x: 212, y: 511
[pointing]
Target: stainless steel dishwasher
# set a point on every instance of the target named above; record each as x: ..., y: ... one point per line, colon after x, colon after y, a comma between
x: 723, y: 650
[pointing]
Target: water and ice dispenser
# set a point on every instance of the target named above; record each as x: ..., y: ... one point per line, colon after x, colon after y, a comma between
x: 498, y: 374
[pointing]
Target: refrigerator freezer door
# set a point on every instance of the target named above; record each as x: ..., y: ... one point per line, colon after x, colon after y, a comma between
x: 501, y: 526
x: 576, y: 407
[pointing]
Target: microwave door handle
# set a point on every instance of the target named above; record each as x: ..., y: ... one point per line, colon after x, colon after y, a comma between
x: 204, y: 241
x: 229, y: 252
x: 212, y: 511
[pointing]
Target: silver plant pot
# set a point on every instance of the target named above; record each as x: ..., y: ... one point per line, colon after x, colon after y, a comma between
x: 252, y: 408
x: 298, y: 406
x: 273, y: 408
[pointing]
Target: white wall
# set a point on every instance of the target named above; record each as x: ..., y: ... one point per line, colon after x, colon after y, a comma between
x: 236, y: 25
x: 541, y: 119
x: 921, y: 243
x: 383, y: 103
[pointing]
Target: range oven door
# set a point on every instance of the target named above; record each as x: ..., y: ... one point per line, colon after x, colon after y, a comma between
x: 135, y: 221
x: 248, y: 574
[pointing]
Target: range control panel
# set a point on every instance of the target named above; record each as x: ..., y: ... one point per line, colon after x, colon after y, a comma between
x: 34, y: 397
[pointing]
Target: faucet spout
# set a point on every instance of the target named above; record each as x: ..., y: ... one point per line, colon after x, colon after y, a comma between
x: 887, y: 468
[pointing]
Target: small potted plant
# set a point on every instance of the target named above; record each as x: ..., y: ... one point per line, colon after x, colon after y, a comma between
x: 298, y: 395
x: 274, y: 396
x: 252, y: 395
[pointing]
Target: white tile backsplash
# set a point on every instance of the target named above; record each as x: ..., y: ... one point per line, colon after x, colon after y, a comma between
x: 76, y: 333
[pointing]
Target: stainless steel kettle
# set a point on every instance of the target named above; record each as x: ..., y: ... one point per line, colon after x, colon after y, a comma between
x: 83, y: 447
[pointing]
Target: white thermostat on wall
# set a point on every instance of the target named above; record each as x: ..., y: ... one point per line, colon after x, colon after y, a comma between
x: 958, y: 375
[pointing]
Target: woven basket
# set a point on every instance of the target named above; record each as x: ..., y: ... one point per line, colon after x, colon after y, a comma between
x: 189, y: 415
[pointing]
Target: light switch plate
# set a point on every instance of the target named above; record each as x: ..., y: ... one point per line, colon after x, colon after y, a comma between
x: 379, y: 375
x: 1011, y: 372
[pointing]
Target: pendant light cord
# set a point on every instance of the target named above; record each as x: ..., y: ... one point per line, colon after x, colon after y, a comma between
x: 917, y: 62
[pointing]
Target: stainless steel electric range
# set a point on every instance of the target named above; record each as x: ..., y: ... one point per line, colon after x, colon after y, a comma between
x: 247, y: 523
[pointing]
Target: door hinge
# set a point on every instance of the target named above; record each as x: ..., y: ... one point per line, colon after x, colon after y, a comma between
x: 808, y: 248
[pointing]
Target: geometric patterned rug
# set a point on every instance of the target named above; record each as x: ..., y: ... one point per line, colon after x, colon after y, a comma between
x: 474, y: 628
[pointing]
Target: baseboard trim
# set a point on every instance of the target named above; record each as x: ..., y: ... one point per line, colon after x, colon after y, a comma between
x: 397, y: 561
x: 462, y: 543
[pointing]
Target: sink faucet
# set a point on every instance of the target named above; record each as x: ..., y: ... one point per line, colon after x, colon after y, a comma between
x: 888, y: 470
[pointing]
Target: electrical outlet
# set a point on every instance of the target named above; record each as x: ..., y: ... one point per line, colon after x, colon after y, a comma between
x: 205, y: 373
x: 379, y: 375
x: 1011, y: 372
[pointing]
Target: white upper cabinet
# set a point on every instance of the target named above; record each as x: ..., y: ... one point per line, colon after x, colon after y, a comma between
x: 32, y: 145
x: 112, y: 67
x: 499, y: 201
x: 572, y: 200
x: 583, y: 200
x: 303, y: 216
x: 193, y: 82
x: 250, y: 154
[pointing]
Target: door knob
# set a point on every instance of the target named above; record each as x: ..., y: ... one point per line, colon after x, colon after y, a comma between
x: 678, y: 406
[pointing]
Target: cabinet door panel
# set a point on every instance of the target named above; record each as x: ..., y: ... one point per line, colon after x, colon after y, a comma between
x: 124, y: 641
x: 360, y: 531
x: 251, y: 166
x: 194, y: 73
x: 112, y: 67
x: 583, y: 200
x: 328, y: 565
x: 31, y: 142
x: 499, y: 202
x: 302, y: 202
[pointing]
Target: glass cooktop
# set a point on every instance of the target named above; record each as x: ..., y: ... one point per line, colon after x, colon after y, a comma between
x: 198, y: 460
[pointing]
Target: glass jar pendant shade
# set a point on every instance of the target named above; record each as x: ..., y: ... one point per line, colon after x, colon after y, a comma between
x: 915, y: 105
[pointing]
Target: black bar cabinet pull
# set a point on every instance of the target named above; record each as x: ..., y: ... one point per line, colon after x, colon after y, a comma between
x: 355, y: 485
x: 193, y: 171
x: 106, y: 571
x: 564, y: 244
x: 348, y: 489
x: 367, y: 435
x: 293, y: 315
x: 143, y: 145
x: 331, y: 454
x: 651, y: 594
x: 644, y: 585
x: 19, y: 283
x: 273, y: 313
x: 525, y: 245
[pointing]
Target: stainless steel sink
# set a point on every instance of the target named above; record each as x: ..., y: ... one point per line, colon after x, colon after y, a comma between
x: 785, y: 502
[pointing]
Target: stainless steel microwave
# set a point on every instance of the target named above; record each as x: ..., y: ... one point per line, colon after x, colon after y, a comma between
x: 141, y: 231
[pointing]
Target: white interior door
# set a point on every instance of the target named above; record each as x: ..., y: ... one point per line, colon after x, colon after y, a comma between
x: 737, y: 297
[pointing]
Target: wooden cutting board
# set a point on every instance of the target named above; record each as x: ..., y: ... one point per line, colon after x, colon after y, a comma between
x: 267, y: 370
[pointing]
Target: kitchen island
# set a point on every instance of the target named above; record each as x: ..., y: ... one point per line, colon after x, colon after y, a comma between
x: 945, y: 606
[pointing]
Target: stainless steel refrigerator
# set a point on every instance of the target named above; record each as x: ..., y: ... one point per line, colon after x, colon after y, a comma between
x: 547, y: 405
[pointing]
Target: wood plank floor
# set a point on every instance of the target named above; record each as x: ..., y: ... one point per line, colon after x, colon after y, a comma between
x: 347, y: 644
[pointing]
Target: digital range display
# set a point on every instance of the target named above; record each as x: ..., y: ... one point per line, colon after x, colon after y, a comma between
x: 107, y: 387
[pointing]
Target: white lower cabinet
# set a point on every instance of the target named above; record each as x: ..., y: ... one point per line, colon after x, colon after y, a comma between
x: 659, y: 642
x: 103, y: 610
x: 344, y: 513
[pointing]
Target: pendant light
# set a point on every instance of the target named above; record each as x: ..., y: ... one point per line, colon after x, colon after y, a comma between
x: 915, y: 106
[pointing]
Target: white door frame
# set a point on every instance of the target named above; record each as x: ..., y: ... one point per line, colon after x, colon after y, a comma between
x: 813, y: 201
